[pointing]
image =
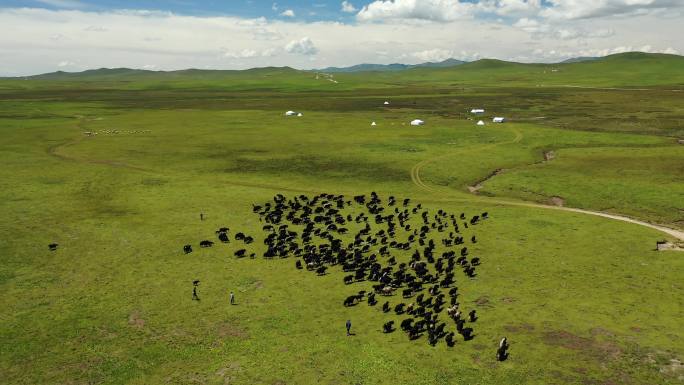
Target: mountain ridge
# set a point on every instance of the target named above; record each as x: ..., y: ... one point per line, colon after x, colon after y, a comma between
x: 491, y: 64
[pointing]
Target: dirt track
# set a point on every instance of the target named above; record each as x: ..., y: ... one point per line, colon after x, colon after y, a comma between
x: 418, y: 181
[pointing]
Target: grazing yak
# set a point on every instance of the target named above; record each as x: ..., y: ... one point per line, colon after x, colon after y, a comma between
x: 351, y: 300
x: 223, y: 237
x: 502, y: 351
x: 311, y: 229
x: 449, y: 339
x: 52, y: 246
x: 187, y: 249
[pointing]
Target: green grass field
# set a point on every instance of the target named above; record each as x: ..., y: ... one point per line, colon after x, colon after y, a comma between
x: 582, y: 299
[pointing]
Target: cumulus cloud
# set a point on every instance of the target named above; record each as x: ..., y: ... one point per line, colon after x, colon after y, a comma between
x: 43, y: 38
x: 348, y: 7
x: 69, y: 4
x: 430, y: 10
x: 511, y: 7
x: 304, y: 46
x: 288, y: 13
x: 433, y: 55
x: 540, y: 30
x: 95, y: 28
x: 66, y: 63
x: 249, y: 53
x: 578, y: 9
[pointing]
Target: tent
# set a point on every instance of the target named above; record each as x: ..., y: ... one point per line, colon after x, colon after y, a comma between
x: 290, y: 113
x: 386, y: 102
x: 417, y: 122
x: 498, y: 119
x: 373, y: 124
x: 300, y: 114
x: 480, y: 123
x: 477, y: 111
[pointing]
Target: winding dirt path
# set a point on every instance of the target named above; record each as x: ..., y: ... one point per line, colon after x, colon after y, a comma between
x: 416, y: 169
x: 418, y: 181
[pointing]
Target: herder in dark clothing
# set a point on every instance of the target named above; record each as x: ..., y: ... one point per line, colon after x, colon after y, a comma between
x: 348, y: 327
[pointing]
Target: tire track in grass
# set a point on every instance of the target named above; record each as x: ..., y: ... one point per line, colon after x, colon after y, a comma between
x: 419, y: 182
x: 416, y: 169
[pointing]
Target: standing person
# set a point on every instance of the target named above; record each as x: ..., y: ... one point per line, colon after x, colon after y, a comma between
x: 201, y: 216
x: 232, y: 298
x: 348, y: 327
x: 194, y: 294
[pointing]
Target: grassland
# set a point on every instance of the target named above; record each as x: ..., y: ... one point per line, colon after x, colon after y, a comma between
x: 583, y: 300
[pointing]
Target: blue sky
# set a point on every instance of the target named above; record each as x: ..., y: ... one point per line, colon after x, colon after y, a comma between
x: 72, y: 35
x: 304, y: 10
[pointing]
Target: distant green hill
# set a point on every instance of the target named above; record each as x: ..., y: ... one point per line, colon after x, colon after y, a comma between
x: 631, y: 69
x: 580, y: 59
x: 392, y: 67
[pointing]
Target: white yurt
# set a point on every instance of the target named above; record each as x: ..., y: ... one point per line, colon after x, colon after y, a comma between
x: 498, y: 119
x: 386, y: 102
x: 480, y: 123
x: 290, y: 113
x: 417, y: 122
x: 373, y: 124
x: 300, y: 114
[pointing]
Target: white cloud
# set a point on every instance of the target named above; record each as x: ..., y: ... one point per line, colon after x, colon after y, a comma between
x: 245, y: 53
x: 530, y: 25
x: 578, y: 9
x: 69, y: 4
x: 95, y: 28
x: 274, y: 7
x: 348, y: 7
x: 430, y: 10
x: 540, y: 30
x: 249, y: 53
x: 433, y: 55
x: 304, y: 46
x: 66, y: 63
x: 42, y: 38
x: 288, y: 13
x: 511, y: 7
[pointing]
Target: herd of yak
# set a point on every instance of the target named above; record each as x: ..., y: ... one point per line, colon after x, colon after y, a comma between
x: 363, y: 237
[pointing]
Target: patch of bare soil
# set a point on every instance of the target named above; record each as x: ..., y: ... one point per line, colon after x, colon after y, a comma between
x: 567, y: 340
x: 482, y: 301
x: 557, y: 201
x: 664, y: 245
x: 479, y: 184
x: 135, y: 320
x: 549, y: 155
x: 508, y: 299
x: 226, y: 372
x: 674, y: 368
x: 519, y: 328
x: 603, y: 351
x: 229, y: 330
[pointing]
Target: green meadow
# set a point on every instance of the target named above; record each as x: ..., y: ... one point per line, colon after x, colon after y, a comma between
x: 116, y: 166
